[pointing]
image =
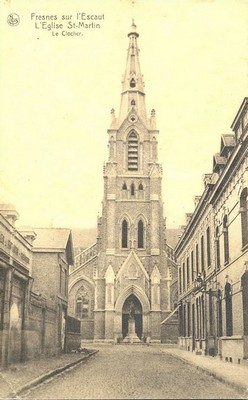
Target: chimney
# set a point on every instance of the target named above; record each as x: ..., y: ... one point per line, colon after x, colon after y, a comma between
x: 9, y: 212
x: 28, y: 234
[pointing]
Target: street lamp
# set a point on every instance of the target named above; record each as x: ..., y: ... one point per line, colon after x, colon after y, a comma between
x: 200, y: 285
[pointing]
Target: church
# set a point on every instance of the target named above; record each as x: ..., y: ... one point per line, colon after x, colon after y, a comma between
x: 121, y: 286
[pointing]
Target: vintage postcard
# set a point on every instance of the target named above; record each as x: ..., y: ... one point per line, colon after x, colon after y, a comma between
x: 123, y: 198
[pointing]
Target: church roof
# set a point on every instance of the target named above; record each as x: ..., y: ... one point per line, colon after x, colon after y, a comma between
x: 83, y: 238
x: 172, y: 236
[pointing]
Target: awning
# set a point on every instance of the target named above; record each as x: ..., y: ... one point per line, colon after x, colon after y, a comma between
x: 170, y: 315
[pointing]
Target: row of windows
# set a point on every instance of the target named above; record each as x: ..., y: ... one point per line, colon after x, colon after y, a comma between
x: 193, y: 318
x: 125, y: 234
x: 195, y: 263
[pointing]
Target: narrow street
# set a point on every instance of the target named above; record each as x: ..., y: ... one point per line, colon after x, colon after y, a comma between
x: 133, y: 372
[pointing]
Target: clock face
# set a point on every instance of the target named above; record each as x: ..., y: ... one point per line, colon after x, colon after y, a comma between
x: 132, y: 118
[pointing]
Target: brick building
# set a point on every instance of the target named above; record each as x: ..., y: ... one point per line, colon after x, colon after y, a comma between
x: 52, y: 255
x: 212, y: 255
x: 127, y: 266
x: 34, y: 269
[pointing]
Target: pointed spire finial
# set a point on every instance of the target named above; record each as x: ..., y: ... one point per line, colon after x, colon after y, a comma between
x: 112, y: 113
x: 132, y: 84
x: 133, y: 29
x: 153, y: 119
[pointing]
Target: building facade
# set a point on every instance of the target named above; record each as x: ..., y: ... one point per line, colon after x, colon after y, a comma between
x: 15, y: 285
x: 52, y: 255
x: 212, y: 255
x: 127, y: 266
x: 34, y: 269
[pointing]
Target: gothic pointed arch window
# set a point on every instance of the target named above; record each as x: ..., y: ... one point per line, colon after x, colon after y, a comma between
x: 82, y: 303
x: 132, y: 189
x: 124, y: 234
x: 140, y: 234
x: 132, y: 83
x: 132, y: 151
x: 124, y: 192
x: 140, y: 191
x: 244, y: 216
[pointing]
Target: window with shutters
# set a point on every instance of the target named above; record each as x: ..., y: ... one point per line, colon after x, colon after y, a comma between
x: 133, y: 151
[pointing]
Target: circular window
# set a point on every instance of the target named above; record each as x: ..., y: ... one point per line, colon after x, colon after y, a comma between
x: 132, y: 118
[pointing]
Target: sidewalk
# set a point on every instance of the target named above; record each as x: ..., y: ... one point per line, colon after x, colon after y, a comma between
x: 234, y: 375
x: 22, y: 376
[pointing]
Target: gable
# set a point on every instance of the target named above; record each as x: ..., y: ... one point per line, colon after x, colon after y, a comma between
x: 132, y: 268
x: 136, y: 125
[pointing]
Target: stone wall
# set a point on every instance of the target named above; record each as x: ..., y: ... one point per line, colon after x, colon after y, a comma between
x: 41, y: 333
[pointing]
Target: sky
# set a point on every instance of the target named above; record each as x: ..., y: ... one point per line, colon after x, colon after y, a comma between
x: 56, y: 93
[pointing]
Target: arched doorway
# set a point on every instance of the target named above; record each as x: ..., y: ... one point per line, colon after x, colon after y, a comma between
x: 132, y: 303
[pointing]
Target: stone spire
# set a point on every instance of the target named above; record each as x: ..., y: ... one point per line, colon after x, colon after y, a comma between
x: 132, y: 95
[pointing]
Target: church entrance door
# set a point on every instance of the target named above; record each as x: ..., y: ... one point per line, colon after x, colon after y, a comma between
x: 132, y: 306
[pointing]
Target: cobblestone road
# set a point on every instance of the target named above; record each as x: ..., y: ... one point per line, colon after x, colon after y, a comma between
x: 133, y: 372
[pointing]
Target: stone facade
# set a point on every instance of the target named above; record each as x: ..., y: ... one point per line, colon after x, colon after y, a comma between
x: 15, y: 285
x: 128, y: 263
x: 213, y: 255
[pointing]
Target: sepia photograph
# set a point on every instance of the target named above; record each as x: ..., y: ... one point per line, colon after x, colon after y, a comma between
x: 123, y: 199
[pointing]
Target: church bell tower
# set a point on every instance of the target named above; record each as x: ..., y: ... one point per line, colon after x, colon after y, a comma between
x: 131, y: 267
